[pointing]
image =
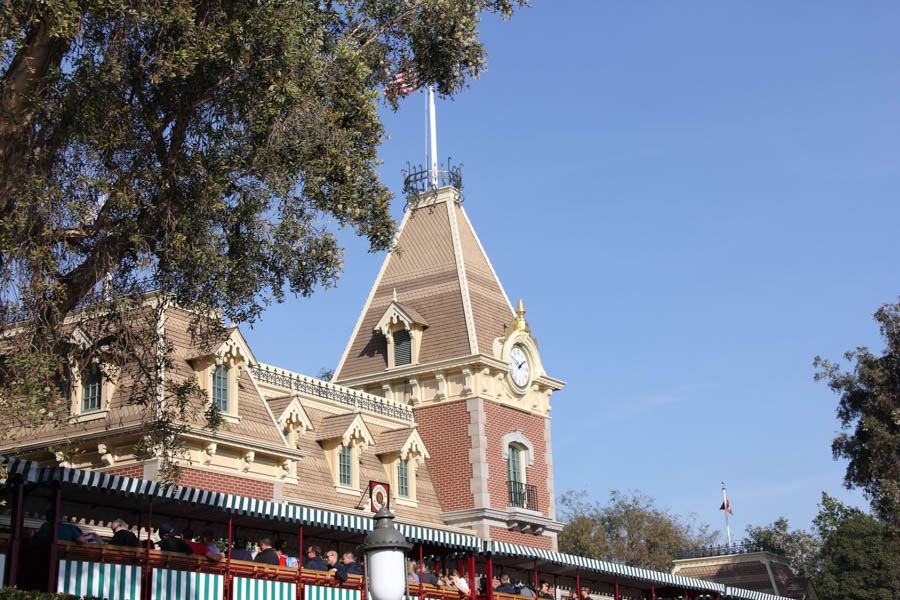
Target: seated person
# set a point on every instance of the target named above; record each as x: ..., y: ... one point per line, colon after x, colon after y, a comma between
x: 67, y: 532
x: 458, y: 582
x: 169, y: 541
x: 348, y: 566
x: 524, y: 590
x: 211, y: 551
x: 546, y: 592
x: 313, y: 561
x: 267, y: 554
x: 122, y: 536
x: 239, y: 551
x: 504, y: 587
x: 187, y: 534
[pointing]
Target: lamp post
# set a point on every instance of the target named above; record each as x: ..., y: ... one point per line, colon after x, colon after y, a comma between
x: 385, y: 550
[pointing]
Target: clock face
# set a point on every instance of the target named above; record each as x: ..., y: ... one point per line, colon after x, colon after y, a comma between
x: 518, y: 366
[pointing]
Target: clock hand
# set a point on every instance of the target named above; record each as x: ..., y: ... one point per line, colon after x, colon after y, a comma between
x: 521, y: 363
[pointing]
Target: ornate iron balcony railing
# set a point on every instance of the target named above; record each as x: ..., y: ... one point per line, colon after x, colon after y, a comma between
x: 522, y: 495
x: 330, y: 391
x: 419, y: 179
x: 725, y: 550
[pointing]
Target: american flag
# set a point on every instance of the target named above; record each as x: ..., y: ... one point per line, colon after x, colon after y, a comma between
x: 403, y: 84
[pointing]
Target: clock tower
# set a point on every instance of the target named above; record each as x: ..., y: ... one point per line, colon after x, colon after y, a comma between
x: 439, y: 333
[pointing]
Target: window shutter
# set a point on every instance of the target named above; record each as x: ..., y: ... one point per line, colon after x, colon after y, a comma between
x: 402, y: 348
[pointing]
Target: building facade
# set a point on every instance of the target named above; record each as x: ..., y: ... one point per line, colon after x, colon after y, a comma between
x: 440, y: 396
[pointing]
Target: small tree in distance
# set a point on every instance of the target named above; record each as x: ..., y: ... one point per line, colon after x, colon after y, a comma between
x: 630, y: 529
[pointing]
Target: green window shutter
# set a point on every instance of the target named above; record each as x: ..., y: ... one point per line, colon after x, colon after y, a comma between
x: 220, y: 388
x: 90, y: 389
x: 402, y: 348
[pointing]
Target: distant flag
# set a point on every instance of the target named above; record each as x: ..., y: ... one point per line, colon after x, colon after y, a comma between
x: 403, y: 84
x: 726, y: 505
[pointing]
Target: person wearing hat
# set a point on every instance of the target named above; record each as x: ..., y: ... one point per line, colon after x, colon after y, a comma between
x: 170, y: 543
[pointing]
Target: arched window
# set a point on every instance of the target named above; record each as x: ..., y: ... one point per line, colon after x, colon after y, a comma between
x: 220, y: 388
x: 90, y: 389
x: 402, y: 348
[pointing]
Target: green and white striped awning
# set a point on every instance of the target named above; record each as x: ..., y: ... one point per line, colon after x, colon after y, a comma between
x: 733, y: 592
x: 604, y: 567
x: 240, y: 505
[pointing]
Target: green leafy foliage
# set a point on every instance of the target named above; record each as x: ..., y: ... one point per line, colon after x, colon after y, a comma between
x: 11, y: 593
x: 207, y: 149
x: 800, y: 547
x: 869, y: 412
x: 859, y: 559
x: 630, y: 529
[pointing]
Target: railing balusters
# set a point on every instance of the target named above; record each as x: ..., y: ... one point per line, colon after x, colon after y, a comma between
x: 330, y: 392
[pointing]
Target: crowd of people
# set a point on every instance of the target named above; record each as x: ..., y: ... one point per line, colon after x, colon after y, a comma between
x: 265, y: 551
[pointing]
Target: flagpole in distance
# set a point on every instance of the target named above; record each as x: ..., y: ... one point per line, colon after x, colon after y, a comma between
x: 726, y: 508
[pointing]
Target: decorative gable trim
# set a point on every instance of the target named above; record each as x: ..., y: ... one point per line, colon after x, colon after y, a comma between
x: 294, y: 412
x: 413, y: 448
x: 397, y: 313
x: 355, y: 434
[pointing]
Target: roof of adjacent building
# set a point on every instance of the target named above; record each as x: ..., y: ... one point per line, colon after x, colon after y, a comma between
x: 441, y: 273
x: 751, y: 575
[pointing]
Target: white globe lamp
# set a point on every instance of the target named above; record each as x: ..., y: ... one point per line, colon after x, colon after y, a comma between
x: 385, y: 551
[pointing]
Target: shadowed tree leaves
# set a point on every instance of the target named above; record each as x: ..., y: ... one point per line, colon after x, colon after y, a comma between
x: 800, y: 547
x: 869, y: 412
x: 204, y: 148
x: 630, y: 529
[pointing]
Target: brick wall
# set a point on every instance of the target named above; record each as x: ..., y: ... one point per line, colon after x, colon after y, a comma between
x: 131, y: 471
x: 500, y: 534
x: 499, y: 421
x: 444, y: 429
x: 229, y: 484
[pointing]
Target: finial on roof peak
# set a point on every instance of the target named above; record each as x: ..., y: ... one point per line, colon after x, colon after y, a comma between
x: 395, y: 294
x: 519, y: 323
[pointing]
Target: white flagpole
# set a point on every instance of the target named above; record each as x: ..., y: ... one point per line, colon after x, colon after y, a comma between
x: 433, y: 131
x: 725, y: 504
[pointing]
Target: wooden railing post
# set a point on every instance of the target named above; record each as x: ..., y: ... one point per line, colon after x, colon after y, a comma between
x: 16, y: 523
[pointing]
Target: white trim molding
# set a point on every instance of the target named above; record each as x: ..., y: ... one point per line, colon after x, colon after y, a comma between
x: 517, y: 437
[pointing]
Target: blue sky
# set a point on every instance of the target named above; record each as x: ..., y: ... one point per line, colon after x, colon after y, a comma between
x: 693, y: 200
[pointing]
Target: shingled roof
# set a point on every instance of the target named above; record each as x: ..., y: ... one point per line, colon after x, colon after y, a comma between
x: 444, y: 276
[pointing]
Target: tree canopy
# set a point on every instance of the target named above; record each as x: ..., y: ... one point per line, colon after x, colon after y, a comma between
x: 869, y: 412
x: 630, y: 529
x: 208, y: 149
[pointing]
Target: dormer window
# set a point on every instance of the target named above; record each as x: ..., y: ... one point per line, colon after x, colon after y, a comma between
x: 402, y: 327
x: 401, y: 452
x: 91, y: 383
x: 220, y: 388
x: 344, y: 438
x: 219, y: 371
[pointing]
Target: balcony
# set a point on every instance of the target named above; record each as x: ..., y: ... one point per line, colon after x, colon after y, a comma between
x: 522, y: 495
